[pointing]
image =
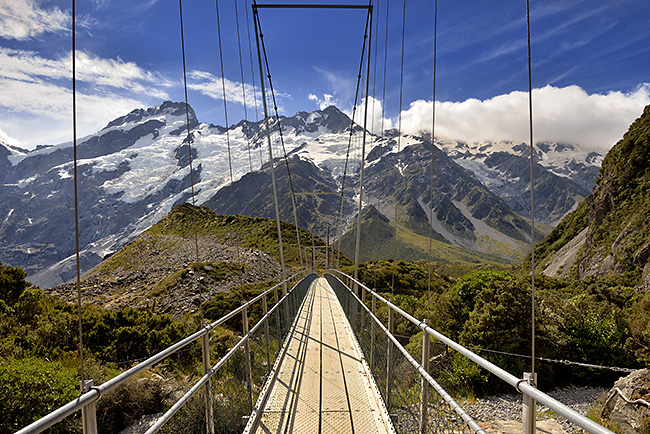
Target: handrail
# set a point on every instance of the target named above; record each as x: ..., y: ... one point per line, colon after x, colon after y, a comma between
x: 519, y: 384
x: 201, y: 382
x: 471, y: 423
x: 96, y: 392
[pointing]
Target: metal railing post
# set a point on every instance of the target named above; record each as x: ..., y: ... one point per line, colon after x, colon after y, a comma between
x: 361, y: 310
x: 265, y: 310
x: 529, y: 416
x: 327, y: 250
x: 89, y: 412
x: 424, y: 384
x: 313, y: 251
x: 373, y: 332
x: 277, y: 318
x: 389, y: 352
x: 247, y: 354
x: 209, y: 408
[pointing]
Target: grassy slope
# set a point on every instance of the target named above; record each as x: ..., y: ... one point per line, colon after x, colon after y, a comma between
x: 380, y: 240
x: 186, y: 220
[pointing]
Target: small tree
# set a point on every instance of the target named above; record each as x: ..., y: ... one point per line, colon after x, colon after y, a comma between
x: 12, y: 283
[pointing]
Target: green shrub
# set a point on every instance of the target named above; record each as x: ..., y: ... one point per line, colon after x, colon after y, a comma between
x: 12, y: 283
x: 122, y: 406
x: 32, y: 388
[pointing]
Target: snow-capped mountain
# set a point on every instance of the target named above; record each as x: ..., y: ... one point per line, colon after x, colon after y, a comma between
x: 564, y: 174
x: 136, y: 169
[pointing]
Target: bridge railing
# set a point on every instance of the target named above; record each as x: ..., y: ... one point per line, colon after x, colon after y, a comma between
x: 404, y: 382
x: 213, y: 399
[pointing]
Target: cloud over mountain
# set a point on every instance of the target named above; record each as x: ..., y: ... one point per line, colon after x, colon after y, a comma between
x: 567, y: 114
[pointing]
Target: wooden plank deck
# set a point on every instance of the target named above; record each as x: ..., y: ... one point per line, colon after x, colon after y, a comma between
x: 322, y: 384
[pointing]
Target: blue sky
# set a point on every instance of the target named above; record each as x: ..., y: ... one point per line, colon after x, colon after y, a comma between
x: 591, y: 64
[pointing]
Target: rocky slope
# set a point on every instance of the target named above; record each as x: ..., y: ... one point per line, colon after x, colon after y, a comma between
x: 609, y: 232
x: 160, y: 270
x: 465, y: 212
x: 381, y: 239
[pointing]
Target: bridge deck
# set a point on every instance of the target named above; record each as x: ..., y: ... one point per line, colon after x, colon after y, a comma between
x: 323, y: 384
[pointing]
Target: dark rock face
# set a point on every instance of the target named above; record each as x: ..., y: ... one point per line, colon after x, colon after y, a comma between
x: 315, y: 203
x: 630, y: 418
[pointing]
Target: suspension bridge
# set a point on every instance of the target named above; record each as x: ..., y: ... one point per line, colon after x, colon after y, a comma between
x: 321, y: 359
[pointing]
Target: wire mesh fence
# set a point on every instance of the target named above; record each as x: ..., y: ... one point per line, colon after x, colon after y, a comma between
x: 396, y: 371
x: 240, y: 375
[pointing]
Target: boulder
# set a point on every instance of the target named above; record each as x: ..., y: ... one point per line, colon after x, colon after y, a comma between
x: 627, y: 407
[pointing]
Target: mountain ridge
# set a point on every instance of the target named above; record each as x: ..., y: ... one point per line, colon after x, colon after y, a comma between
x: 135, y: 170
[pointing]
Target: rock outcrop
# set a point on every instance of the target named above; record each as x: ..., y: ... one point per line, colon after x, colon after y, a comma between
x: 627, y: 408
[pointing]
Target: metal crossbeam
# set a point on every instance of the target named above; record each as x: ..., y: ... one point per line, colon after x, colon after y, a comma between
x: 309, y: 6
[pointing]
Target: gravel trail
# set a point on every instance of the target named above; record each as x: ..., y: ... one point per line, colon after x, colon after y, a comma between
x: 509, y: 407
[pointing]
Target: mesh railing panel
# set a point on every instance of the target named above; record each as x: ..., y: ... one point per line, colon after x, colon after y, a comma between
x: 232, y: 397
x: 397, y: 379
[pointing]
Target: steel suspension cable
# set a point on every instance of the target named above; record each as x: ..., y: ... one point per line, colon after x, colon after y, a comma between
x: 243, y: 91
x: 399, y: 126
x: 189, y: 135
x: 347, y: 154
x: 225, y: 113
x: 532, y: 187
x: 383, y: 92
x: 250, y: 53
x: 363, y: 148
x: 258, y: 33
x: 76, y: 195
x: 284, y: 150
x: 433, y: 147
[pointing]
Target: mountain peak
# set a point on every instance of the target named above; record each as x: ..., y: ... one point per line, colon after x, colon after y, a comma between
x: 169, y: 108
x: 335, y: 119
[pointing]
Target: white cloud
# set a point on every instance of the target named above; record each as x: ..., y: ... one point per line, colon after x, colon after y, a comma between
x: 24, y: 19
x: 211, y: 85
x: 36, y: 99
x: 42, y: 113
x: 324, y: 102
x: 374, y: 123
x: 28, y: 66
x: 7, y: 139
x: 568, y: 114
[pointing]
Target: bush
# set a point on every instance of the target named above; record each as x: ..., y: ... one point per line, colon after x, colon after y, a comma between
x: 125, y: 404
x: 12, y: 283
x: 32, y: 388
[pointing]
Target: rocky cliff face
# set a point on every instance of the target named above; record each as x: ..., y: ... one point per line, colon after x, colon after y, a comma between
x: 615, y: 216
x: 627, y: 408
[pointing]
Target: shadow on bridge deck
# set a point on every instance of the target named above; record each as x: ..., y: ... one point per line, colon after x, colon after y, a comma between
x: 323, y: 384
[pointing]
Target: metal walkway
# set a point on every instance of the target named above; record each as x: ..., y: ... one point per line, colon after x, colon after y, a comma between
x: 322, y: 383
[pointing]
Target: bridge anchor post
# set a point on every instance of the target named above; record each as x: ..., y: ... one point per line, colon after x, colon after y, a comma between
x: 424, y: 384
x: 529, y: 416
x: 209, y: 408
x: 249, y: 370
x: 89, y: 411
